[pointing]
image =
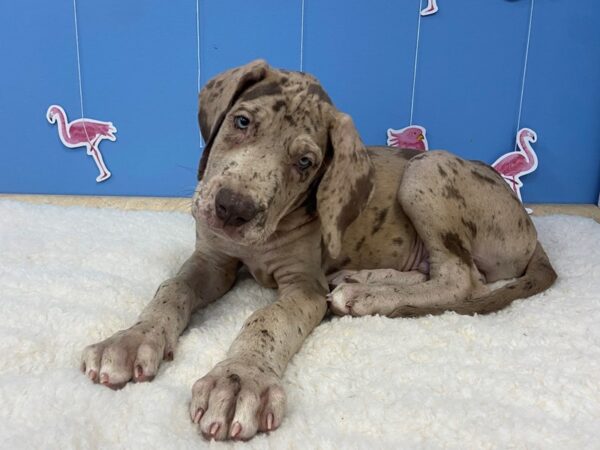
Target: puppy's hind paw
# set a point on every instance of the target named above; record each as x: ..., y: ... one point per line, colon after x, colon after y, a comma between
x: 342, y: 299
x: 354, y: 299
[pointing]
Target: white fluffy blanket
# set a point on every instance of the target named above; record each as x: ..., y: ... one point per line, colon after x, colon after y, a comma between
x: 526, y: 377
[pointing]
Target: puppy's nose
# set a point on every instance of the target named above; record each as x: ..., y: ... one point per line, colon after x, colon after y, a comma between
x: 234, y: 209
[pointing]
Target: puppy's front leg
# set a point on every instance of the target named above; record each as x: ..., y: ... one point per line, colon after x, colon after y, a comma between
x: 136, y: 353
x: 243, y: 393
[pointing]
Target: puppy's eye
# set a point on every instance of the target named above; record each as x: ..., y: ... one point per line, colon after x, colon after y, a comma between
x: 241, y: 122
x: 304, y: 163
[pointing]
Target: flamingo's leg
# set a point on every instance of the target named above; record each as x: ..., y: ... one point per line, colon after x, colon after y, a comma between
x: 510, y: 181
x: 518, y: 192
x: 104, y: 172
x: 92, y: 146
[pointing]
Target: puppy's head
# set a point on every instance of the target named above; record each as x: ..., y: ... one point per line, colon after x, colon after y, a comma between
x: 275, y: 143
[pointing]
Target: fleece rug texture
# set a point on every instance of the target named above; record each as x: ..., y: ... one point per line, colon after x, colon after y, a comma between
x: 525, y: 377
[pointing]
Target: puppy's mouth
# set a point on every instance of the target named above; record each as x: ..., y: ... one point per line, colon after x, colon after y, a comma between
x: 247, y: 233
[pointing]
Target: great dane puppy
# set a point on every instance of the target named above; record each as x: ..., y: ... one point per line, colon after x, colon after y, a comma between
x: 287, y: 189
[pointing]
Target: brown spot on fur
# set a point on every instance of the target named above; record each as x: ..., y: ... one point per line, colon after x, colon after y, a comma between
x: 483, y: 178
x: 451, y: 192
x: 278, y: 105
x: 454, y: 245
x: 442, y: 171
x: 398, y: 240
x: 315, y: 89
x: 267, y: 334
x: 379, y: 219
x: 359, y: 244
x: 289, y: 119
x: 235, y: 379
x: 271, y: 88
x: 358, y: 196
x: 345, y: 262
x: 471, y: 226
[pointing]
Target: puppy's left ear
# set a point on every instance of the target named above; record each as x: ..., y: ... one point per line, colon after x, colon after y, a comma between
x: 217, y: 98
x: 347, y: 184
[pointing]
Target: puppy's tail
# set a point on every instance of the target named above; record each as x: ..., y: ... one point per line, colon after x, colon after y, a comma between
x: 538, y: 277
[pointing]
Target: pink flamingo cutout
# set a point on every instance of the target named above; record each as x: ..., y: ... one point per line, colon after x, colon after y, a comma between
x: 431, y: 8
x: 412, y: 136
x: 83, y: 133
x: 512, y: 166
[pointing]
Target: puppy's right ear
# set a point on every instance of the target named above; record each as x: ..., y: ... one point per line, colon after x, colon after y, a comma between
x: 347, y: 184
x: 219, y: 95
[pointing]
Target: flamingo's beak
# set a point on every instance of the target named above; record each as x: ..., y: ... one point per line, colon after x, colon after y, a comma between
x: 420, y: 137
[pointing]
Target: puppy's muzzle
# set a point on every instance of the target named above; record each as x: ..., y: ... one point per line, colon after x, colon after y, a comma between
x: 234, y: 209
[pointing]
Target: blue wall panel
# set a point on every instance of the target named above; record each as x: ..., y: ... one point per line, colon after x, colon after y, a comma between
x: 139, y: 71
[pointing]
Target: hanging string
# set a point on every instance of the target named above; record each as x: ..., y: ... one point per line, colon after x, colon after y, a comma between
x: 302, y: 39
x: 524, y: 70
x: 79, y: 70
x: 198, y: 56
x: 412, y: 98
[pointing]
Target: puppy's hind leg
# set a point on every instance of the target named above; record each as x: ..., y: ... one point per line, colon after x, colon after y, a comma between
x: 452, y: 283
x: 376, y: 276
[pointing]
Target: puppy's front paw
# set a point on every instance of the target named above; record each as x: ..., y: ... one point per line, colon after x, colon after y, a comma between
x: 134, y: 353
x: 236, y: 400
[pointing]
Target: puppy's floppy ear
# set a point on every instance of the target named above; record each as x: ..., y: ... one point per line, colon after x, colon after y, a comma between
x: 347, y: 184
x: 219, y: 95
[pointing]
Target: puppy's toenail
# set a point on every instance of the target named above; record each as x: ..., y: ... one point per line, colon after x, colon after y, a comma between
x: 104, y: 378
x: 269, y: 422
x: 92, y: 374
x: 214, y: 429
x: 198, y: 415
x: 236, y: 429
x: 139, y: 371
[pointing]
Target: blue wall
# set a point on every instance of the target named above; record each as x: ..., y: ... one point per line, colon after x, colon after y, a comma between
x: 139, y: 71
